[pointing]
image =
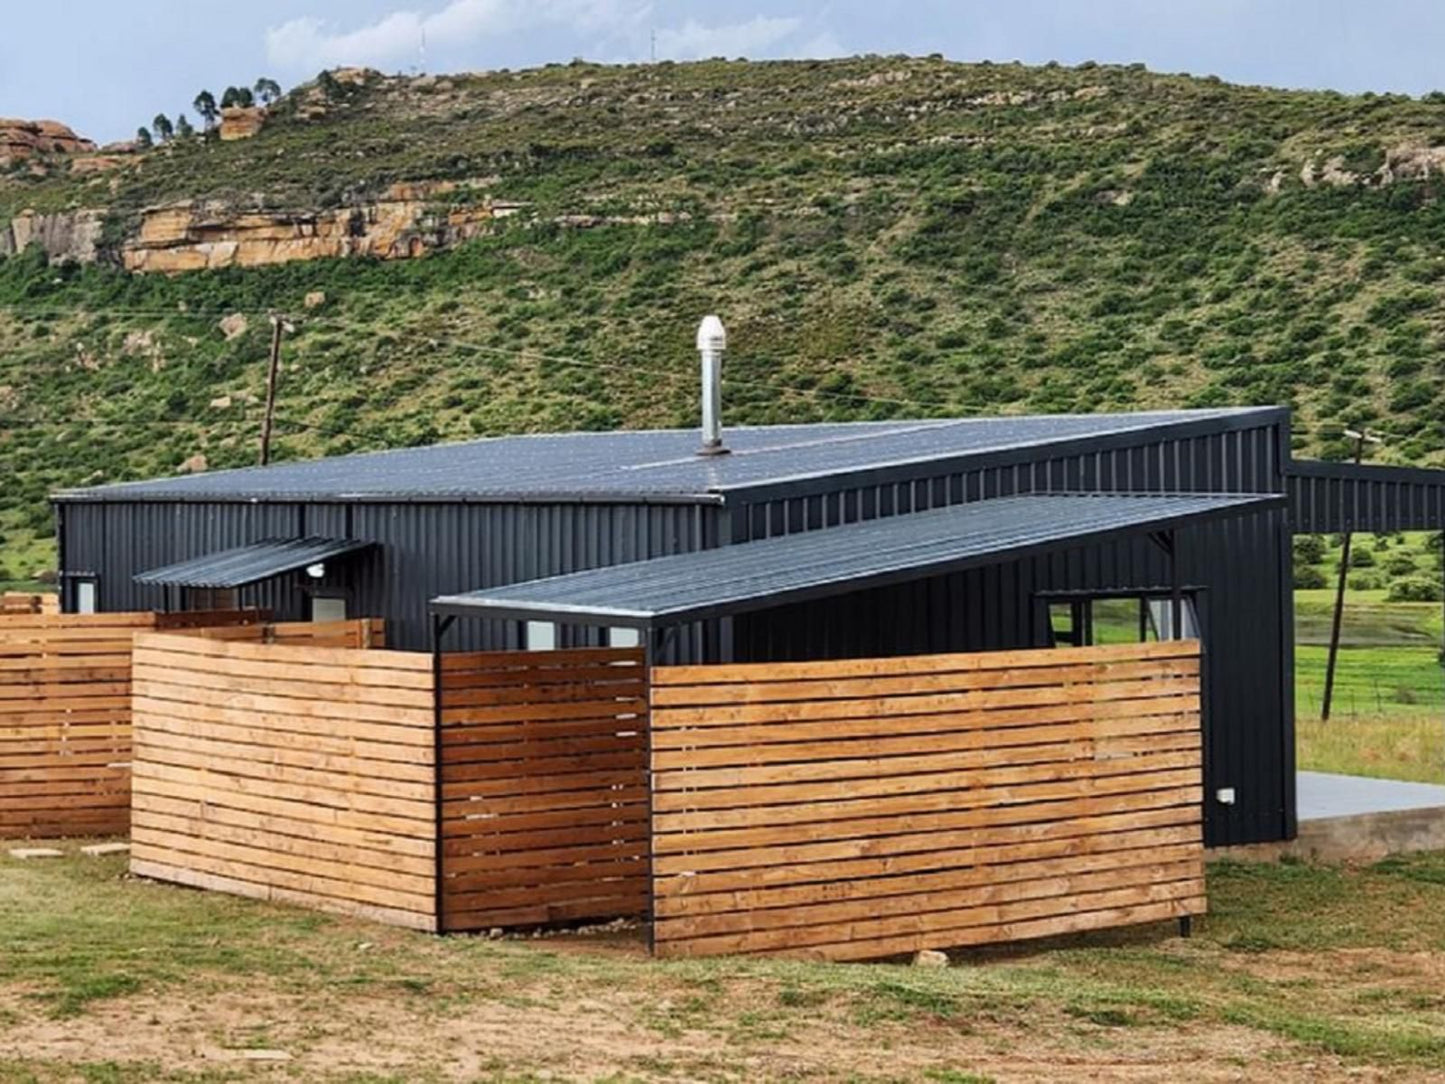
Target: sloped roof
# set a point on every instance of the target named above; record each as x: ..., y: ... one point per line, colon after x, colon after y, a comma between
x: 836, y: 560
x: 640, y: 465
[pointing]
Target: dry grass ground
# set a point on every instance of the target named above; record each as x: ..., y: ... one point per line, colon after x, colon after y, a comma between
x: 1301, y: 973
x: 1408, y: 747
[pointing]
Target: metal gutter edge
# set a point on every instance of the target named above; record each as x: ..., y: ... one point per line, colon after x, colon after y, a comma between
x: 81, y: 496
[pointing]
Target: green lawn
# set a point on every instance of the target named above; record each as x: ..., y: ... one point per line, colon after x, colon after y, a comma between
x: 1388, y: 717
x: 1371, y: 681
x: 1300, y: 973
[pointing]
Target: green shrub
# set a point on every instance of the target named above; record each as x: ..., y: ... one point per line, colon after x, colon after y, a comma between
x: 1416, y: 589
x: 1360, y: 557
x: 1309, y: 578
x: 1399, y: 564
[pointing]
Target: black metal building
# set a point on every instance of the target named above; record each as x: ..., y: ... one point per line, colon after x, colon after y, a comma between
x: 385, y: 534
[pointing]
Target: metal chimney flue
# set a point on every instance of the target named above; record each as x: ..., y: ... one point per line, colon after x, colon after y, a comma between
x: 712, y: 342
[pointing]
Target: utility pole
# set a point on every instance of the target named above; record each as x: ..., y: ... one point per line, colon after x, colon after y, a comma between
x: 273, y: 369
x: 1360, y: 439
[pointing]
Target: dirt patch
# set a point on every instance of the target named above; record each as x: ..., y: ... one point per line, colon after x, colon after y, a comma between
x: 651, y: 1035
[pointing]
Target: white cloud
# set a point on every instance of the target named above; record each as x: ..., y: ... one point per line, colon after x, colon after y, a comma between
x: 758, y: 36
x: 310, y: 43
x: 821, y: 46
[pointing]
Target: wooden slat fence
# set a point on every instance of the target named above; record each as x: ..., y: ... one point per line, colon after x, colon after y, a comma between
x: 65, y: 720
x: 544, y: 787
x: 19, y: 602
x: 366, y: 632
x: 303, y: 774
x: 866, y: 808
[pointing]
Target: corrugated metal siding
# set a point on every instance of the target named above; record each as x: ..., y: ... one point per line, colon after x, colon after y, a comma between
x: 1327, y: 498
x: 115, y: 541
x: 1242, y: 566
x: 425, y: 550
x: 434, y: 549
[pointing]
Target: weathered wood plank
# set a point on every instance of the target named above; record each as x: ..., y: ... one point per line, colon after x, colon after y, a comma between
x: 747, y: 673
x: 260, y: 772
x: 544, y: 767
x: 868, y: 807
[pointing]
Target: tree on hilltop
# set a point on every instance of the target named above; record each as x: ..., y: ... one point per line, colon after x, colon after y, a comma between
x: 184, y: 130
x: 205, y: 104
x: 237, y: 98
x: 267, y: 90
x: 143, y: 138
x: 162, y: 127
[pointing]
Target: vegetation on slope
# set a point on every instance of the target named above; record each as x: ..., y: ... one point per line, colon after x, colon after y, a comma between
x: 883, y: 236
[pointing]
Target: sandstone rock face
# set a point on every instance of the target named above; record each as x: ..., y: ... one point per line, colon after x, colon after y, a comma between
x: 403, y: 224
x: 32, y: 138
x: 67, y: 235
x: 96, y: 163
x: 233, y: 325
x: 239, y: 122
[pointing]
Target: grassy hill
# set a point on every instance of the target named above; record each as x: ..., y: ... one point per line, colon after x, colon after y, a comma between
x: 884, y: 237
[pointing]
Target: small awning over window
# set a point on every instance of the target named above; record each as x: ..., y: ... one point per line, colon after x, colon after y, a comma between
x: 251, y: 564
x: 836, y: 560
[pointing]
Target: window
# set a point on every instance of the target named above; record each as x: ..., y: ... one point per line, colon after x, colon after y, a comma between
x: 1085, y: 620
x: 1069, y: 623
x: 324, y: 608
x: 1161, y: 619
x: 85, y: 596
x: 204, y: 598
x: 540, y: 636
x: 623, y: 638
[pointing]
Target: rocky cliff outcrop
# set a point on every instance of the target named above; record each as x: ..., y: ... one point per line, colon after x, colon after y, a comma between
x: 242, y: 122
x: 406, y: 222
x: 21, y: 139
x: 67, y: 235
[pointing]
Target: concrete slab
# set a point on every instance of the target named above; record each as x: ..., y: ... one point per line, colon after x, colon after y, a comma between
x: 1323, y: 796
x: 25, y: 853
x: 100, y: 850
x: 1349, y: 818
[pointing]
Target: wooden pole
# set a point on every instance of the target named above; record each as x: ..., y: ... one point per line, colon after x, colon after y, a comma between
x: 1339, y: 603
x: 272, y: 371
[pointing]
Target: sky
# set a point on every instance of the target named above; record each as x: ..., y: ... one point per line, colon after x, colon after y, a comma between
x: 106, y: 67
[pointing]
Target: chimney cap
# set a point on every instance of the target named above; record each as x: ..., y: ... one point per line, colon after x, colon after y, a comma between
x: 711, y: 335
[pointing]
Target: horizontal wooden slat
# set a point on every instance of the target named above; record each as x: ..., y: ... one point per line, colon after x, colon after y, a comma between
x: 875, y: 806
x: 143, y: 865
x: 511, y: 661
x: 905, y: 718
x: 1062, y: 801
x: 295, y: 772
x: 544, y: 766
x: 65, y: 742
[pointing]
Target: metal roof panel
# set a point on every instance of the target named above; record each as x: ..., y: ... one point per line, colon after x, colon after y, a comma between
x: 756, y: 575
x: 644, y: 465
x: 251, y: 564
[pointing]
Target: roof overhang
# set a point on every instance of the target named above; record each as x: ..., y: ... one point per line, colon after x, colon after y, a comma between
x: 252, y: 563
x: 750, y: 576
